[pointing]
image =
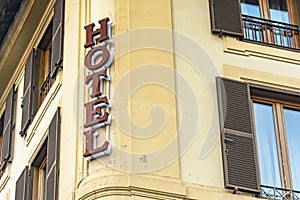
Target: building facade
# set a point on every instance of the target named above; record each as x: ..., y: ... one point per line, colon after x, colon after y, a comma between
x: 138, y: 99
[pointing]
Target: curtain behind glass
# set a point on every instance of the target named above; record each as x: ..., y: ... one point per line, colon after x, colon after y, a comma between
x: 292, y: 125
x: 266, y: 144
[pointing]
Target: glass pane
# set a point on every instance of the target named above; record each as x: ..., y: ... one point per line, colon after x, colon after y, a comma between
x: 266, y: 144
x: 279, y: 11
x: 250, y: 7
x: 292, y: 125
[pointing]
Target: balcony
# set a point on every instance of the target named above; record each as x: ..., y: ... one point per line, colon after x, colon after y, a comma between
x: 47, y: 84
x: 279, y: 193
x: 271, y: 32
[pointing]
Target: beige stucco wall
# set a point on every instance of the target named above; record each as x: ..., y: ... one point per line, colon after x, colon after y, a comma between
x: 200, y: 162
x: 233, y: 59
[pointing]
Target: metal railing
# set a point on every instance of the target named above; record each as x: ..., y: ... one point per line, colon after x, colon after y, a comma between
x: 46, y: 86
x: 279, y: 193
x: 270, y: 32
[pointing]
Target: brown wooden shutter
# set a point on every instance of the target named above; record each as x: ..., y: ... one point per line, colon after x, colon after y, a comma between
x: 237, y: 138
x: 30, y: 93
x: 226, y: 17
x: 57, y: 35
x: 298, y: 9
x: 24, y: 185
x: 53, y: 158
x: 8, y: 128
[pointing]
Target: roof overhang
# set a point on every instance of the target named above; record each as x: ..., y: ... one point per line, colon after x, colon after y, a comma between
x: 8, y: 10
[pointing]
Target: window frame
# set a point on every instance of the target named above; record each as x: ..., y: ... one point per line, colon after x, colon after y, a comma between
x: 44, y: 80
x: 293, y: 15
x: 238, y: 135
x: 278, y: 116
x: 39, y: 180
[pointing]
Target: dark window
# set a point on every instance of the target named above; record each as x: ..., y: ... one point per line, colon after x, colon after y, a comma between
x: 44, y: 77
x: 40, y: 181
x: 42, y: 67
x: 260, y: 131
x: 24, y: 185
x: 39, y: 166
x: 7, y: 126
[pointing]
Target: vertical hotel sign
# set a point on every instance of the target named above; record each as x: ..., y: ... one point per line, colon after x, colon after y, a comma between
x: 98, y: 61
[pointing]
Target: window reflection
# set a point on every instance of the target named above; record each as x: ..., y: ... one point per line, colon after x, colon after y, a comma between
x: 266, y: 144
x: 279, y: 11
x: 292, y: 125
x: 250, y: 7
x: 252, y: 31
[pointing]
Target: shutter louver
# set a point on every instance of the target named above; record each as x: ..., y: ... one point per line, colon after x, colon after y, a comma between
x: 238, y: 144
x: 53, y: 157
x: 24, y: 185
x: 8, y: 128
x: 298, y: 9
x: 57, y: 35
x: 226, y: 17
x: 29, y: 102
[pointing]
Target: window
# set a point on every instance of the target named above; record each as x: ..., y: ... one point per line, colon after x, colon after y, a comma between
x: 7, y: 125
x: 273, y: 22
x: 278, y: 161
x: 42, y: 66
x: 270, y: 21
x: 39, y: 167
x: 40, y: 180
x: 40, y: 187
x: 44, y: 76
x: 260, y: 136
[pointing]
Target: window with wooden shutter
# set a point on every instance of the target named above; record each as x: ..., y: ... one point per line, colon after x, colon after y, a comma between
x: 271, y: 22
x: 57, y: 36
x: 8, y: 126
x: 277, y: 115
x: 29, y: 101
x: 24, y: 185
x: 52, y: 171
x: 44, y: 80
x: 226, y: 17
x: 237, y: 137
x: 39, y: 166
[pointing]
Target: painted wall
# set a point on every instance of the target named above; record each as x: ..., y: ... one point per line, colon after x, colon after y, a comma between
x: 165, y: 130
x: 202, y: 162
x: 32, y: 22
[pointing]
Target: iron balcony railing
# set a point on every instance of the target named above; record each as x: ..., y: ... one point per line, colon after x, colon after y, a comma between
x: 46, y: 86
x: 279, y: 193
x: 270, y: 32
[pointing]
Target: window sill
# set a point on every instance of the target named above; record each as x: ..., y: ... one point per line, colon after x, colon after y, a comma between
x: 232, y: 45
x: 55, y: 88
x: 5, y: 177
